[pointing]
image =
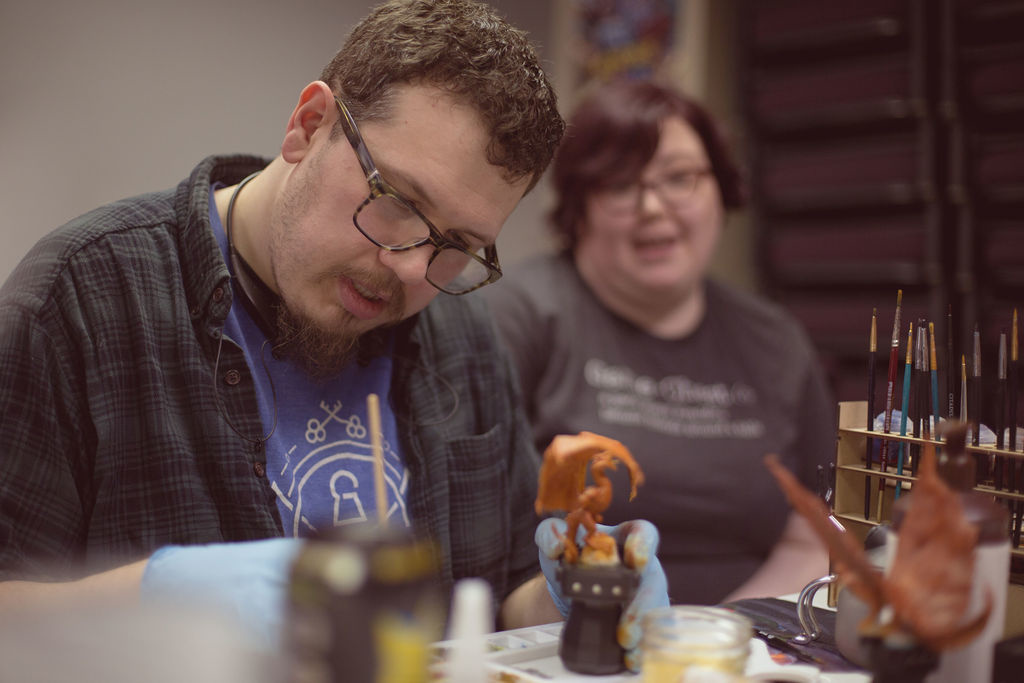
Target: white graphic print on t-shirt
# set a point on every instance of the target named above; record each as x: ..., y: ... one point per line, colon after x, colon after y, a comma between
x: 332, y: 468
x: 673, y: 405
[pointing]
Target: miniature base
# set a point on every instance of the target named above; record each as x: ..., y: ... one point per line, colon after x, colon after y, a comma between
x: 589, y: 642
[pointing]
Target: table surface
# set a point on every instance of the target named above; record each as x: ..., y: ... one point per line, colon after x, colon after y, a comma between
x: 530, y: 655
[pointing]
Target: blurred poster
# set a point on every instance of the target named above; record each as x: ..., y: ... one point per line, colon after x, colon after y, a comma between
x: 631, y: 38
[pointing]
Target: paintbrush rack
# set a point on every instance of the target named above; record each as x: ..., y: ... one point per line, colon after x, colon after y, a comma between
x: 852, y: 472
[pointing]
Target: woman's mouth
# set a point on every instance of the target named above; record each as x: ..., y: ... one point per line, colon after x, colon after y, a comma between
x: 654, y: 247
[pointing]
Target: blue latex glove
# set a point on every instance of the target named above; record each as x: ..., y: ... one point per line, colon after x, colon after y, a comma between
x: 641, y: 543
x: 247, y: 580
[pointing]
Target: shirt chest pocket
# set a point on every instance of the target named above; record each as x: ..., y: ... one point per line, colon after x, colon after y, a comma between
x: 479, y: 515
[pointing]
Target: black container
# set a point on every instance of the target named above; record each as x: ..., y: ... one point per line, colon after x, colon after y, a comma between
x: 589, y: 643
x: 892, y: 664
x: 363, y: 607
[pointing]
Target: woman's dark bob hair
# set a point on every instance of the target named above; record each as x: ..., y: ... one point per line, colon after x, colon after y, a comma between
x: 613, y: 133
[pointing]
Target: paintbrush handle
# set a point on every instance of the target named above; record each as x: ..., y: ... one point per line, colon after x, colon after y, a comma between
x: 950, y: 368
x: 924, y: 416
x: 1000, y: 463
x: 871, y: 427
x: 887, y: 424
x: 870, y: 443
x: 1020, y: 513
x: 973, y: 408
x: 1013, y: 378
x: 903, y: 423
x: 890, y: 391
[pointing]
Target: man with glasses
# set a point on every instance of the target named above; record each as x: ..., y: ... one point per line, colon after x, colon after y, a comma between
x: 186, y: 370
x: 393, y: 223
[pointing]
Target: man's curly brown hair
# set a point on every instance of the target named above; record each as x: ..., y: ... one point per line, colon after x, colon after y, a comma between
x: 466, y: 49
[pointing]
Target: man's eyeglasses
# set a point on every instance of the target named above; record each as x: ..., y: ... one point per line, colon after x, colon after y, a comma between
x: 676, y: 189
x: 392, y: 222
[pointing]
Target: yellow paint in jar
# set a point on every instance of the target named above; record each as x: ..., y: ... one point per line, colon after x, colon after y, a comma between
x: 692, y: 644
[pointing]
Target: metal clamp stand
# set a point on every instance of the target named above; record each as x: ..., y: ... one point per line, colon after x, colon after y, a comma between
x: 805, y: 610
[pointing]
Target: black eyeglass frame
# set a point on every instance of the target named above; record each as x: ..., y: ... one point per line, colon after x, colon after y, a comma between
x: 641, y: 186
x: 380, y: 187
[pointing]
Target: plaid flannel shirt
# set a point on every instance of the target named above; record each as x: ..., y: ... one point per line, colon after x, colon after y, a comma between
x: 112, y: 443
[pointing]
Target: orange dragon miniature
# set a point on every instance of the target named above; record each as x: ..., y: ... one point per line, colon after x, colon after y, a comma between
x: 928, y: 585
x: 563, y: 488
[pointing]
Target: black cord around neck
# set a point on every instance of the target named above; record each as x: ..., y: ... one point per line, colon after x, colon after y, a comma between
x: 234, y: 260
x: 261, y: 301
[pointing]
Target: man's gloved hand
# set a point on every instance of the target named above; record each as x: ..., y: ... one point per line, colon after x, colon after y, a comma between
x: 247, y: 580
x: 641, y: 547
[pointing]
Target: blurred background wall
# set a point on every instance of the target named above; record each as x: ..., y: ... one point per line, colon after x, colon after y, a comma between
x: 109, y: 98
x: 882, y: 138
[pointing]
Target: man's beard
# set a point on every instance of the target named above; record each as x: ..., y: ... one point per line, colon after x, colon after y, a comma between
x: 322, y: 353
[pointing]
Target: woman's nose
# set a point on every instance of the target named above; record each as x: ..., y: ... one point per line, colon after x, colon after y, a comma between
x: 651, y: 202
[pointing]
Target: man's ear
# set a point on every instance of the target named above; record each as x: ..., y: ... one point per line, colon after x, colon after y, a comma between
x: 314, y: 110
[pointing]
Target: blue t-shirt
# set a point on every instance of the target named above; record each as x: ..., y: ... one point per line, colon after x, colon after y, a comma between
x: 319, y: 457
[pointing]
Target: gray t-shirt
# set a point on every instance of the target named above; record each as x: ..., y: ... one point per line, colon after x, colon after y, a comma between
x: 697, y: 413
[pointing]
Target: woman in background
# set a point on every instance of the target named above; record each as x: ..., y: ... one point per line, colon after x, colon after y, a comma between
x: 623, y: 333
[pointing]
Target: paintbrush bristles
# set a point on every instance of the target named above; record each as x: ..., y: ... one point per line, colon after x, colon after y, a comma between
x: 1002, y: 356
x: 1013, y: 337
x: 976, y: 353
x: 910, y: 342
x: 931, y: 343
x: 896, y: 320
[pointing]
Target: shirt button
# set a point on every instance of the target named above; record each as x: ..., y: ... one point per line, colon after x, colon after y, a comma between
x: 232, y: 377
x: 259, y: 469
x: 218, y: 294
